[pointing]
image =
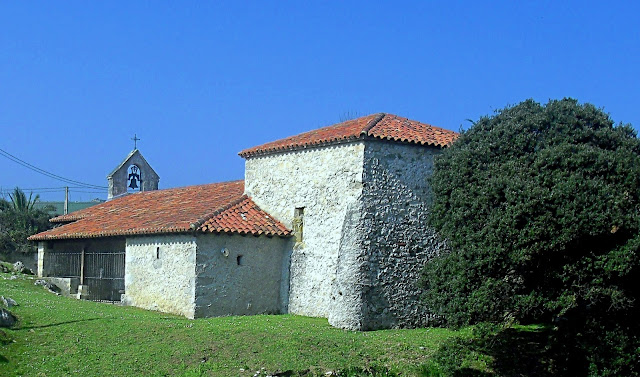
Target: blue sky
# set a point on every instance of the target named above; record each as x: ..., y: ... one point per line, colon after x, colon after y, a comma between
x: 200, y: 82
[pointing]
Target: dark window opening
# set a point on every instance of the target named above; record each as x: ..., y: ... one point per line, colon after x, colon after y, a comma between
x: 134, y: 179
x: 239, y: 260
x: 298, y: 224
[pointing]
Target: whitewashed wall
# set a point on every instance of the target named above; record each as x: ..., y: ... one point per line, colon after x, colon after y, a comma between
x: 241, y: 275
x: 160, y: 273
x: 365, y: 234
x: 327, y: 182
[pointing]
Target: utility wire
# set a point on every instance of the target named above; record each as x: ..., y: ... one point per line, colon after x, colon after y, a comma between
x: 43, y: 189
x: 46, y: 173
x: 39, y: 190
x: 49, y: 190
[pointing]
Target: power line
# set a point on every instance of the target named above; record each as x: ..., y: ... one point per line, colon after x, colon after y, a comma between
x: 53, y: 189
x: 59, y: 189
x: 46, y: 173
x: 38, y: 190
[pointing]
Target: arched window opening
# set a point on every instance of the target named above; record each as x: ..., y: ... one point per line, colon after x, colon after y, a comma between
x: 134, y: 179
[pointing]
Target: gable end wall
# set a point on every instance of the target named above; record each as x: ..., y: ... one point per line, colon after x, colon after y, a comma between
x: 327, y: 182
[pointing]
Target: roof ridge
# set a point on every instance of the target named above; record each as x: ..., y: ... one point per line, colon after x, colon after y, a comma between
x: 198, y: 223
x: 84, y: 213
x: 372, y: 123
x: 384, y: 126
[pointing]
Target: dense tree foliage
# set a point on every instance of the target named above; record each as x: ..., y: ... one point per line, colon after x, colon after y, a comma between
x: 540, y: 205
x: 18, y: 220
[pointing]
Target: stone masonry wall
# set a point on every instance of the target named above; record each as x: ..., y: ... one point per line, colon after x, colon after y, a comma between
x: 241, y: 275
x: 327, y: 183
x: 160, y: 273
x: 396, y: 205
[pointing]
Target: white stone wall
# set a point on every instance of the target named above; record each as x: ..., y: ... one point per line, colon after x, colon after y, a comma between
x: 396, y: 206
x: 327, y: 182
x: 160, y: 273
x: 241, y: 275
x: 365, y: 235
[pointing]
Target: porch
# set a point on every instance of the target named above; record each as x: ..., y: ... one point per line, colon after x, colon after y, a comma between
x: 91, y: 270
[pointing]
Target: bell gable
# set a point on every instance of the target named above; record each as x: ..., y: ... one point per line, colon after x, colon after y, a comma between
x: 132, y: 175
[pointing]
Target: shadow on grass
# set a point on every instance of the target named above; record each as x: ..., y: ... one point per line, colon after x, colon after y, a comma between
x: 58, y: 324
x: 4, y: 338
x: 507, y: 352
x: 520, y: 352
x: 3, y: 359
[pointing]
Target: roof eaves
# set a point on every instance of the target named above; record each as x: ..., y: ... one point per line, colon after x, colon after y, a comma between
x: 297, y: 147
x: 133, y: 232
x: 407, y: 141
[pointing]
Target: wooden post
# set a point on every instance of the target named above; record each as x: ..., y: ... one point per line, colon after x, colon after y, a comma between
x: 82, y: 267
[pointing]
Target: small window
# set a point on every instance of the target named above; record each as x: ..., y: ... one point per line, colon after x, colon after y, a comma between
x: 298, y: 223
x: 239, y: 260
x: 157, y: 252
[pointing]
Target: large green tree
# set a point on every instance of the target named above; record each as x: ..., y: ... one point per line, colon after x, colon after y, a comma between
x: 540, y: 205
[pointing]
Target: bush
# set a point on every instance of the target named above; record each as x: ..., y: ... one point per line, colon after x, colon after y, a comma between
x: 540, y: 205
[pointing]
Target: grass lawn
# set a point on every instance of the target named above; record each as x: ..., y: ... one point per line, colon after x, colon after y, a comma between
x: 58, y: 336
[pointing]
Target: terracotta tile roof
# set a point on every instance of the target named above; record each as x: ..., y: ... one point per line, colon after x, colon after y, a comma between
x: 377, y: 126
x: 72, y: 216
x: 244, y: 217
x: 217, y: 207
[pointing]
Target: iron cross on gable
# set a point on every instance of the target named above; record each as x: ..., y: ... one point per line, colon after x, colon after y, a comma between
x: 135, y: 141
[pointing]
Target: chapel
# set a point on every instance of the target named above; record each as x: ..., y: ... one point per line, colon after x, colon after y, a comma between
x: 328, y: 223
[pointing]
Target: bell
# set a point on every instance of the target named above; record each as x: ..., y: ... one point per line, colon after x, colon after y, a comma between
x: 133, y: 184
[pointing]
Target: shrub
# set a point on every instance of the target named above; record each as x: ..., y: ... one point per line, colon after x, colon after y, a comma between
x: 540, y: 205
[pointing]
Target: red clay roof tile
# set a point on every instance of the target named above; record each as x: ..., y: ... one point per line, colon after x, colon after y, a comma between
x: 379, y: 126
x: 243, y: 217
x: 217, y: 207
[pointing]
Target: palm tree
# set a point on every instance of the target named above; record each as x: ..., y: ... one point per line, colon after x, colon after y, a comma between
x: 19, y: 218
x: 20, y: 202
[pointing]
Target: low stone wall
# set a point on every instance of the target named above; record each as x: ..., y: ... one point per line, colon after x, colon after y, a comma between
x: 68, y: 286
x: 30, y: 259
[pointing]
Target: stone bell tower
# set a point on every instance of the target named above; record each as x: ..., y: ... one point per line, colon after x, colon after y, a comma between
x: 134, y: 174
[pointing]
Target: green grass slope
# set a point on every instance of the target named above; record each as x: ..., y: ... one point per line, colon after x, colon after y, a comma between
x: 58, y: 336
